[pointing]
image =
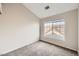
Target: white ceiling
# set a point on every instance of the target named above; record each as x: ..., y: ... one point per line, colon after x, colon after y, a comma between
x: 55, y: 8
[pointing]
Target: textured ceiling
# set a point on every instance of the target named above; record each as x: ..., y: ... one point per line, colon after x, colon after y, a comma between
x: 55, y: 8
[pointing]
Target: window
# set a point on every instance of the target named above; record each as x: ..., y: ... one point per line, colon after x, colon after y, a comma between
x: 54, y: 29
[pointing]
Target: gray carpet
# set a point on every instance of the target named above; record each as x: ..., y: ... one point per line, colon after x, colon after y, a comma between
x: 41, y: 49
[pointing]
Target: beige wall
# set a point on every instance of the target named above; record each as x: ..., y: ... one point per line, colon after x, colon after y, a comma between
x: 18, y: 27
x: 71, y: 29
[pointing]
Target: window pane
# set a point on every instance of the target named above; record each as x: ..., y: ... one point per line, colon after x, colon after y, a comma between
x: 54, y: 29
x: 47, y: 29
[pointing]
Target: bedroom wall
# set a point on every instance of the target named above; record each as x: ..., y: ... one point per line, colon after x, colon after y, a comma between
x: 18, y: 27
x: 71, y: 29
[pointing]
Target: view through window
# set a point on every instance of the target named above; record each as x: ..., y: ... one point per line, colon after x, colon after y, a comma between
x: 54, y: 29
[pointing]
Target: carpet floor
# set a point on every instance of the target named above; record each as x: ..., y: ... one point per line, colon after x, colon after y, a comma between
x: 40, y: 48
